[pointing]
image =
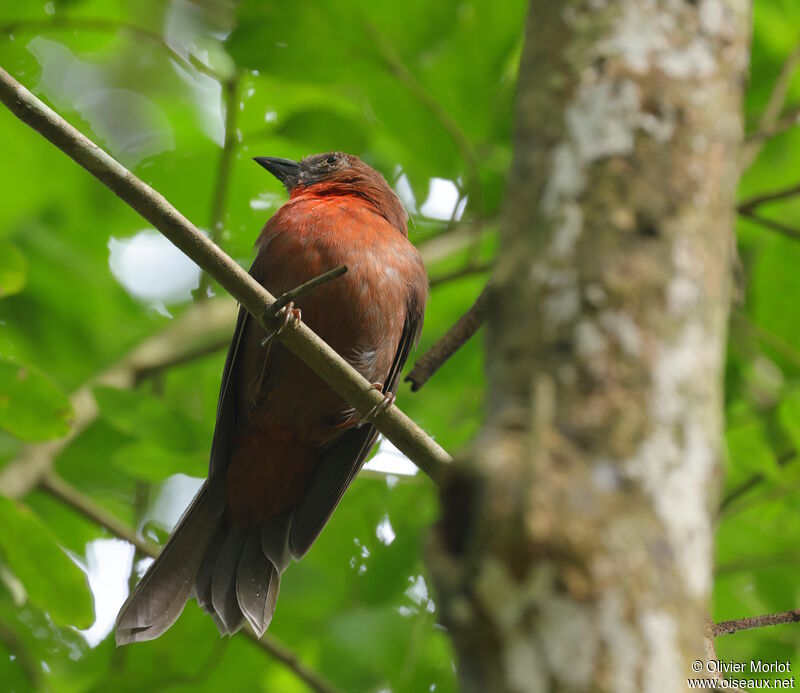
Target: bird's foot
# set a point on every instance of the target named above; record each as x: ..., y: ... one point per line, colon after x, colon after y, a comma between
x: 290, y: 315
x: 380, y: 407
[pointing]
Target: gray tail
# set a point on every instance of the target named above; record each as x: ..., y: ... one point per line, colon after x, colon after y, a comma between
x: 240, y: 574
x: 234, y: 574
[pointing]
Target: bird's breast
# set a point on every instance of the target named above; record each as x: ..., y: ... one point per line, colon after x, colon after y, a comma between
x: 361, y: 314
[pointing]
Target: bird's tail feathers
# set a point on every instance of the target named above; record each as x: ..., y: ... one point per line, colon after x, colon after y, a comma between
x: 157, y: 601
x: 234, y: 574
x: 240, y: 575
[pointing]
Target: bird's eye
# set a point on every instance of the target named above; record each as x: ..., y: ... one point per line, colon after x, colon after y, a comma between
x: 331, y: 160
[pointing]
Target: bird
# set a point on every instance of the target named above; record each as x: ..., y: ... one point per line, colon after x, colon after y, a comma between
x: 286, y: 446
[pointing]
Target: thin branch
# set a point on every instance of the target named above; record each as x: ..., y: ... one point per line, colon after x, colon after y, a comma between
x: 765, y: 496
x: 283, y: 654
x: 711, y: 653
x: 751, y: 483
x: 790, y: 119
x: 442, y: 245
x: 218, y: 201
x: 286, y: 298
x: 84, y: 505
x: 16, y: 647
x: 750, y: 204
x: 108, y: 25
x: 409, y: 438
x: 199, y: 328
x: 454, y: 219
x: 189, y: 680
x: 766, y: 337
x: 750, y: 563
x: 466, y: 326
x: 53, y: 484
x: 782, y: 229
x: 181, y: 358
x: 728, y: 627
x: 466, y: 271
x: 772, y: 112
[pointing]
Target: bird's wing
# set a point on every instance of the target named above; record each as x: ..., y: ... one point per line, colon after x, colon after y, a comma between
x: 338, y: 465
x: 225, y: 428
x: 161, y: 594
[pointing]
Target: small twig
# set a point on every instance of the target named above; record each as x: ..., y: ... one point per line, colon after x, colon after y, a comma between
x: 443, y: 244
x: 783, y: 229
x: 284, y: 299
x: 283, y: 654
x: 68, y: 494
x: 750, y: 563
x: 27, y: 663
x: 759, y: 334
x: 181, y: 358
x: 789, y: 120
x: 728, y: 627
x: 190, y: 680
x: 764, y: 497
x: 466, y: 271
x: 750, y: 204
x: 711, y: 654
x: 217, y: 215
x: 466, y: 326
x: 103, y: 25
x: 771, y: 114
x: 752, y: 482
x: 84, y: 505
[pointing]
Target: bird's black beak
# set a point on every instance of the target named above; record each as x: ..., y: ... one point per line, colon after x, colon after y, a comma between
x: 285, y: 170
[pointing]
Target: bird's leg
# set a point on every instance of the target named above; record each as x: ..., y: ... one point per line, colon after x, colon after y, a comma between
x: 290, y: 314
x: 264, y: 367
x: 380, y: 407
x: 285, y: 303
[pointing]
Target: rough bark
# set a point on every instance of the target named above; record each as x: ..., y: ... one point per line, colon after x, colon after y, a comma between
x: 575, y: 548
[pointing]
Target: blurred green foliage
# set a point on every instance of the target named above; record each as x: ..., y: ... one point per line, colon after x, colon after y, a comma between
x: 422, y: 91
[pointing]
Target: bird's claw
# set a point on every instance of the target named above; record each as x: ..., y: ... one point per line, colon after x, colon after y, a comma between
x: 291, y: 315
x: 380, y: 407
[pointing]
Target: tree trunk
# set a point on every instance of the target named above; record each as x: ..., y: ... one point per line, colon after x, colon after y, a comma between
x: 575, y: 548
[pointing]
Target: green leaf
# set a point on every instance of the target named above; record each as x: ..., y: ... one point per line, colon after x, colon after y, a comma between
x: 151, y: 419
x: 789, y: 417
x: 51, y: 579
x: 389, y: 568
x: 324, y: 129
x: 31, y: 406
x: 275, y: 36
x: 750, y: 452
x: 13, y: 269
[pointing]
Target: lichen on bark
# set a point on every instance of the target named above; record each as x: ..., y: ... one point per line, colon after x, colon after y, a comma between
x: 575, y: 549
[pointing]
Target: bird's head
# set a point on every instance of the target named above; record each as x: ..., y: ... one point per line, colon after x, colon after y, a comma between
x: 337, y: 173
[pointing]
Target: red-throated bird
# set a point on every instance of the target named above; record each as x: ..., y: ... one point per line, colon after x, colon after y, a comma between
x: 286, y: 446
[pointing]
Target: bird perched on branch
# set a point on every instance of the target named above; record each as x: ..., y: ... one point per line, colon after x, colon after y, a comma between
x: 286, y: 446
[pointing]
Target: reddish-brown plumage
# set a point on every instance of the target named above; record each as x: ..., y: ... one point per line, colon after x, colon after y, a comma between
x: 335, y: 222
x: 286, y: 445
